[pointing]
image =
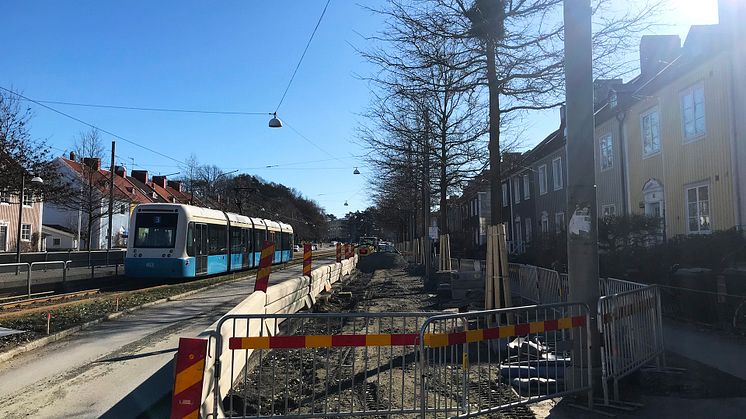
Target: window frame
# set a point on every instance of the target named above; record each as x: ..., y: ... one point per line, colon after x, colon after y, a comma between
x: 505, y: 194
x: 602, y: 140
x: 697, y: 187
x: 560, y: 227
x: 557, y: 185
x: 526, y: 187
x: 4, y: 197
x: 646, y: 114
x: 516, y: 189
x: 30, y: 232
x: 30, y: 198
x: 544, y: 222
x: 608, y: 206
x: 682, y: 95
x: 529, y: 230
x: 543, y: 180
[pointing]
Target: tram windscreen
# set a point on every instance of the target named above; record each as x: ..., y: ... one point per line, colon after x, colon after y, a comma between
x: 156, y: 230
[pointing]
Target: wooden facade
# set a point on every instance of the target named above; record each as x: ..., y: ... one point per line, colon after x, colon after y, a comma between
x: 9, y: 224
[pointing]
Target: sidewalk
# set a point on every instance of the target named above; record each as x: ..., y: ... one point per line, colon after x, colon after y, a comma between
x: 710, y: 347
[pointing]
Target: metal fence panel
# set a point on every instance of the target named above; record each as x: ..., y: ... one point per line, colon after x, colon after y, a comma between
x: 529, y: 286
x: 321, y: 365
x: 482, y: 362
x: 631, y: 330
x: 608, y: 286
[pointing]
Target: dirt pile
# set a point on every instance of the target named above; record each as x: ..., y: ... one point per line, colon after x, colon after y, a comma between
x: 379, y: 261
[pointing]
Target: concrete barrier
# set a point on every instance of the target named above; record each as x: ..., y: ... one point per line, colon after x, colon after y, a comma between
x: 289, y: 296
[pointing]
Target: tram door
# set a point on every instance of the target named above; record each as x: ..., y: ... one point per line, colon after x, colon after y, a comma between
x: 200, y: 248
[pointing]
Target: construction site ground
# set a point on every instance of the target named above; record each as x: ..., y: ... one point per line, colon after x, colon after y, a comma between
x: 385, y: 283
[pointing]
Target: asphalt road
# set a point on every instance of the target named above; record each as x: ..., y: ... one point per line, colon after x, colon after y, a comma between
x: 119, y: 366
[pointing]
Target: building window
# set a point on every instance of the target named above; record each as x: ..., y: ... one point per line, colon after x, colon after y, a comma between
x: 693, y: 112
x: 557, y: 173
x: 608, y: 210
x: 516, y: 190
x: 651, y: 137
x: 123, y: 209
x: 505, y: 194
x: 526, y: 190
x: 613, y: 99
x: 559, y: 221
x: 528, y: 230
x: 25, y: 232
x: 55, y: 241
x: 698, y: 209
x: 28, y: 199
x: 606, y: 150
x: 517, y: 231
x: 544, y: 222
x: 4, y: 197
x: 542, y: 179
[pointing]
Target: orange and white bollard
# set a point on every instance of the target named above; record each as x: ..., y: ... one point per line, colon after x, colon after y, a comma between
x: 190, y: 370
x: 339, y: 252
x: 307, y: 260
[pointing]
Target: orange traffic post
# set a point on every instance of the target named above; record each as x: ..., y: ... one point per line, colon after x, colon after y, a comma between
x: 265, y: 266
x: 190, y: 370
x: 307, y: 260
x: 339, y: 252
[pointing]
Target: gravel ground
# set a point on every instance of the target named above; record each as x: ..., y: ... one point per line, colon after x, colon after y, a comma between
x: 358, y: 379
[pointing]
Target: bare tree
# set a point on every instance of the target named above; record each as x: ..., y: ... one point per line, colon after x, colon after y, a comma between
x: 513, y: 47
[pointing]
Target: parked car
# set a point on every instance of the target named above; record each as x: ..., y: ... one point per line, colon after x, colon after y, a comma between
x: 297, y: 248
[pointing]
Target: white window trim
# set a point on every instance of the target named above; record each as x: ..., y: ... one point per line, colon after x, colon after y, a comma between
x: 709, y: 203
x: 604, y: 207
x: 30, y: 232
x: 648, y: 112
x: 526, y: 187
x: 554, y: 178
x: 560, y: 227
x: 505, y: 194
x: 4, y: 246
x: 601, y: 155
x: 544, y: 217
x: 30, y: 197
x: 543, y: 170
x: 529, y: 230
x: 696, y: 137
x: 516, y: 190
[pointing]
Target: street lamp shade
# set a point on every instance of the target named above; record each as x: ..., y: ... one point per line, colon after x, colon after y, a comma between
x: 356, y: 172
x: 37, y: 179
x: 275, y: 121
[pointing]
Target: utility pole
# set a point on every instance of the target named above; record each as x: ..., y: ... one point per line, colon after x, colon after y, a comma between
x: 111, y: 196
x: 582, y: 233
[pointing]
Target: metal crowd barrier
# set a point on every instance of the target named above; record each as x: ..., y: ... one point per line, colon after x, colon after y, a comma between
x: 608, y: 286
x: 472, y: 362
x: 548, y: 283
x: 529, y: 285
x: 30, y: 267
x: 320, y: 364
x: 631, y: 328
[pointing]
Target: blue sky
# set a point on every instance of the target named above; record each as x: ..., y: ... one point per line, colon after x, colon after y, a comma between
x: 227, y: 55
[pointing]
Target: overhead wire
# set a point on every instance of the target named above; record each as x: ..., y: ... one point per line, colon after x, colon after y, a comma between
x: 91, y: 125
x: 323, y: 12
x: 147, y: 109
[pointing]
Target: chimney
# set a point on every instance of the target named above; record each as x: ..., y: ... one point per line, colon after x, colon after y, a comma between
x: 656, y: 52
x: 175, y: 184
x: 141, y: 175
x: 92, y: 162
x: 120, y: 171
x: 72, y: 156
x: 563, y: 114
x: 602, y: 88
x: 160, y: 181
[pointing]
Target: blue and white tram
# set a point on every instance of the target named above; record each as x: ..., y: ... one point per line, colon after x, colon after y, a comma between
x: 183, y: 241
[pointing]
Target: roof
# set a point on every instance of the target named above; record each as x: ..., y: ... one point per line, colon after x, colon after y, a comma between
x: 58, y: 229
x: 101, y: 180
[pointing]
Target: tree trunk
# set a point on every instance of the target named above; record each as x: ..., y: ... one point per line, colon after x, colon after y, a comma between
x: 494, y: 143
x: 443, y: 183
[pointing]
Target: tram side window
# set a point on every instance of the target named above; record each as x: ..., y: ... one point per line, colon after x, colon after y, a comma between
x: 259, y: 237
x: 278, y: 241
x: 217, y: 236
x: 286, y: 241
x: 237, y: 240
x: 190, y: 240
x: 248, y: 235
